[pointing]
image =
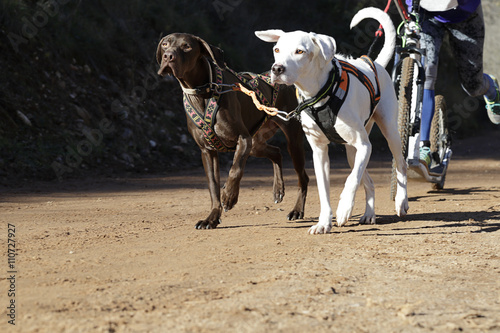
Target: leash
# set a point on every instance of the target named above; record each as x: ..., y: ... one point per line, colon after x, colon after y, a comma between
x: 205, y: 120
x: 270, y: 110
x: 218, y: 88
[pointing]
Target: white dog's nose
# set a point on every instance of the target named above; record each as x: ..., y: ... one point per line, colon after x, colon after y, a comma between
x: 278, y: 69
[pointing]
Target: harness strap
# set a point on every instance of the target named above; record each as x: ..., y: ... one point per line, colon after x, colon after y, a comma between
x: 374, y: 92
x: 252, y: 83
x: 325, y: 116
x: 206, y: 120
x: 327, y: 90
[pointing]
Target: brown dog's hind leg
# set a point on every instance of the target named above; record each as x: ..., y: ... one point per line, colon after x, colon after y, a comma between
x: 295, y: 143
x: 211, y: 164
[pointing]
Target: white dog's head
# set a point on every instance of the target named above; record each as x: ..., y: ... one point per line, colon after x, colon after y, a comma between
x: 298, y: 55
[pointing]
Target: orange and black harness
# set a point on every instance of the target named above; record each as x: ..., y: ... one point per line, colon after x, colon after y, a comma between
x: 337, y: 87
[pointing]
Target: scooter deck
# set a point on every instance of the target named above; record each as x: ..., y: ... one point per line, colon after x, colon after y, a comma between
x: 435, y: 174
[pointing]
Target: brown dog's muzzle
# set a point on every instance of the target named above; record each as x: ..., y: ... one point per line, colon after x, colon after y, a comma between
x: 167, y: 58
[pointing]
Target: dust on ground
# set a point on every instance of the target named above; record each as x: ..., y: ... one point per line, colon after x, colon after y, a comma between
x: 122, y: 255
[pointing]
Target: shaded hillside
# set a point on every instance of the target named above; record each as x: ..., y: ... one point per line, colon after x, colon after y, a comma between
x: 79, y: 92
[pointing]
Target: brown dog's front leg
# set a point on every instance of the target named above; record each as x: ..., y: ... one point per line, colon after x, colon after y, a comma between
x: 210, y: 160
x: 232, y: 187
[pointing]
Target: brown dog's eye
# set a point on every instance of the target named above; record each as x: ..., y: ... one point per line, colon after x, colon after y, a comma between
x: 186, y: 47
x: 299, y: 51
x: 165, y: 44
x: 276, y: 50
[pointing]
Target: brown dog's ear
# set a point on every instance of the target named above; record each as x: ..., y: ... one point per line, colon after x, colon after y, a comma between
x: 215, y: 53
x: 158, y: 51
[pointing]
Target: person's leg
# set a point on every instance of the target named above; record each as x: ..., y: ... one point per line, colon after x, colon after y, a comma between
x: 467, y: 40
x: 431, y: 40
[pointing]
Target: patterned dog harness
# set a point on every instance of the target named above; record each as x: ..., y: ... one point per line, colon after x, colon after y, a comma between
x: 206, y: 120
x: 337, y: 87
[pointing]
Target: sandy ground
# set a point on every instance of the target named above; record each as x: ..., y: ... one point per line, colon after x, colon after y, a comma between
x: 122, y: 255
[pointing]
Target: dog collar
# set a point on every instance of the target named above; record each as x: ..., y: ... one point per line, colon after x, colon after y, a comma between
x: 203, y: 89
x: 326, y: 90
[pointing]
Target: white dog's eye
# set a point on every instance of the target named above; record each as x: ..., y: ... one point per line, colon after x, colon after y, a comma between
x: 298, y: 51
x: 276, y: 50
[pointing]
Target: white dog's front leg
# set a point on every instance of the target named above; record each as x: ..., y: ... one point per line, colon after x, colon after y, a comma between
x: 319, y: 144
x: 322, y: 171
x: 369, y: 216
x: 346, y: 203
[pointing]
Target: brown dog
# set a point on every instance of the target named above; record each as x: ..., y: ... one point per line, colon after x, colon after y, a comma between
x: 237, y: 123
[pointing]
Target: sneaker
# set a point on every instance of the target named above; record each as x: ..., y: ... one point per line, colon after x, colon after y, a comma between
x: 493, y: 107
x: 425, y: 156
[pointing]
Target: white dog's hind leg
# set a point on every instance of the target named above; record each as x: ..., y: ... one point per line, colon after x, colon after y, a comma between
x: 369, y: 216
x: 394, y: 141
x: 401, y: 200
x: 361, y: 158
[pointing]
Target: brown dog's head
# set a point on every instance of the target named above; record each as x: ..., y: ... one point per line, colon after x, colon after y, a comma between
x: 179, y: 53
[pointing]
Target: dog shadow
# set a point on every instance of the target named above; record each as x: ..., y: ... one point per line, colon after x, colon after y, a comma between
x: 436, y: 221
x: 454, y: 191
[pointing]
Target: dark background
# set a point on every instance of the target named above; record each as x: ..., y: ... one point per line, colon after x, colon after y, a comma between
x: 80, y: 96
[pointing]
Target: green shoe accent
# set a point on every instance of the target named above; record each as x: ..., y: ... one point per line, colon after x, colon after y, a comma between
x: 425, y: 156
x: 493, y: 107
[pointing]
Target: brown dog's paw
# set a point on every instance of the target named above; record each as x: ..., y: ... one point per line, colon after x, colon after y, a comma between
x: 206, y: 224
x: 212, y: 221
x: 278, y: 195
x: 295, y: 215
x: 229, y: 197
x: 278, y: 190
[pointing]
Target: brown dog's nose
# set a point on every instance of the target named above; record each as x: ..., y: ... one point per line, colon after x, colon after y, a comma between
x: 168, y: 56
x: 278, y: 69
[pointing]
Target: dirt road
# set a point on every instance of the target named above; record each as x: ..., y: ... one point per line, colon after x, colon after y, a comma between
x: 122, y: 255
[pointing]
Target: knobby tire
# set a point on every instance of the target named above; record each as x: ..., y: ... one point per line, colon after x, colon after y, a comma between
x: 405, y: 95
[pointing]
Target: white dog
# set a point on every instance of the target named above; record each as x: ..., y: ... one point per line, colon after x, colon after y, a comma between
x: 308, y: 61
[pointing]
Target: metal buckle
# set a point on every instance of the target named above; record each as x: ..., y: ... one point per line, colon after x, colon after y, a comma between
x: 218, y: 88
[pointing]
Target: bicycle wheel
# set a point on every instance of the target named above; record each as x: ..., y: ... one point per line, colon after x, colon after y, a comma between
x: 405, y: 95
x: 439, y: 136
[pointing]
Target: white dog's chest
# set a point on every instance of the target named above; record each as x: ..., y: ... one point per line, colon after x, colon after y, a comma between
x: 349, y: 104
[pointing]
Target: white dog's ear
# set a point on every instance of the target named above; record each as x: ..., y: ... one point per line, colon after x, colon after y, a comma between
x: 271, y: 36
x: 326, y: 44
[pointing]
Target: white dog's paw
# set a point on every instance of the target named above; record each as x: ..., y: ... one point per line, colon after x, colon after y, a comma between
x: 368, y: 219
x: 320, y: 229
x: 343, y: 214
x: 402, y: 205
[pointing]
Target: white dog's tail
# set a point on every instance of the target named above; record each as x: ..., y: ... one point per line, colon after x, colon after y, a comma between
x: 385, y: 54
